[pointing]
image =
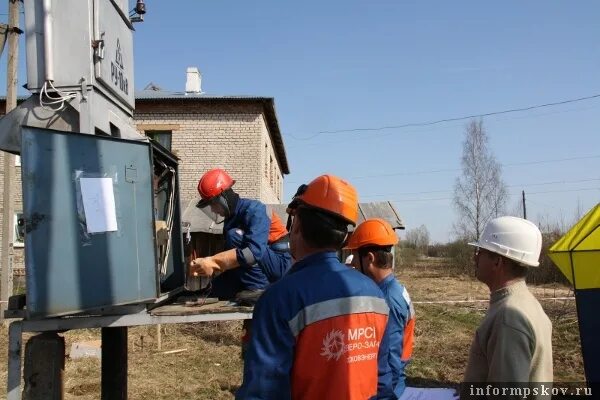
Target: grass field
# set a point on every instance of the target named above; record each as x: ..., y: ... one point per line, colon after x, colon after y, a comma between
x: 210, y: 366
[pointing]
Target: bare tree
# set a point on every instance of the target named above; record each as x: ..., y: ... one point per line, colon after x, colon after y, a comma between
x: 418, y: 239
x: 479, y: 193
x: 579, y: 211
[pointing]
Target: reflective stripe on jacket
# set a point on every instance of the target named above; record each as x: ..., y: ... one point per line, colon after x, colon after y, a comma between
x: 318, y: 333
x: 400, y: 330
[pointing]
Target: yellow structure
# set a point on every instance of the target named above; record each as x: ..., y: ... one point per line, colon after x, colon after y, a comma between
x: 577, y: 253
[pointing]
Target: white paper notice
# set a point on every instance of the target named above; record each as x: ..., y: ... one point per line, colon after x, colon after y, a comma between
x: 99, y: 204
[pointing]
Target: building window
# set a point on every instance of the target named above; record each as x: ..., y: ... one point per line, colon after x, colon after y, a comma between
x: 266, y: 160
x: 17, y: 161
x: 19, y: 234
x: 271, y: 174
x: 162, y: 137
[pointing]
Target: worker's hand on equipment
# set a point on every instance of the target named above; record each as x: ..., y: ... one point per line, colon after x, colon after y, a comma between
x: 205, y: 266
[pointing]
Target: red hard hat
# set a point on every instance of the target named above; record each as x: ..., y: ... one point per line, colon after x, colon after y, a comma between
x: 213, y: 183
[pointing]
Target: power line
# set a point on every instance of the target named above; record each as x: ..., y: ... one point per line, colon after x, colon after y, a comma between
x: 441, y: 121
x: 380, y: 136
x: 515, y: 185
x: 510, y: 194
x: 459, y: 169
x: 560, y: 191
x: 435, y: 171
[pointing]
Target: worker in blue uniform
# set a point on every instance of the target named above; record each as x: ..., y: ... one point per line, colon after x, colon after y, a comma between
x: 372, y: 243
x: 256, y: 241
x: 319, y: 331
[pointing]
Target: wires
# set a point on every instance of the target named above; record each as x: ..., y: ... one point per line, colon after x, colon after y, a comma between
x: 441, y: 121
x: 62, y: 98
x: 509, y: 194
x: 435, y: 171
x: 169, y: 214
x: 521, y: 185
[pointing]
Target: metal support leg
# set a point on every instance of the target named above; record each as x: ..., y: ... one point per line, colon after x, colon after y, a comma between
x: 43, y: 372
x: 13, y: 382
x: 114, y: 363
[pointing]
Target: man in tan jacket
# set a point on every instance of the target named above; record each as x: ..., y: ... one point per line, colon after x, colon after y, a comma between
x: 513, y: 344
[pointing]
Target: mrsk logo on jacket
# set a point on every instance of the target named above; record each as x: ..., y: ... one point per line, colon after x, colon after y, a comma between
x: 357, y: 340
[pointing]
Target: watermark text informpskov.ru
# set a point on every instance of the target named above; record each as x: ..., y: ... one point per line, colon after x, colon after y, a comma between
x: 525, y: 392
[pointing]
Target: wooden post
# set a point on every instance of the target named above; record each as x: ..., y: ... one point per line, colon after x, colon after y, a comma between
x: 13, y: 379
x: 9, y: 160
x: 158, y: 337
x: 44, y: 367
x: 524, y: 207
x: 114, y: 363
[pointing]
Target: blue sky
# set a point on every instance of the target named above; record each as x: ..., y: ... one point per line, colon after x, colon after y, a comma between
x: 339, y: 65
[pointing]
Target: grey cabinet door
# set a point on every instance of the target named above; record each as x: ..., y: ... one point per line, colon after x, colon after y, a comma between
x: 70, y: 265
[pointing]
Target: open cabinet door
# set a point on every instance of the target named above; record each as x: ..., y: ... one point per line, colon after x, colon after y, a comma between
x: 89, y: 222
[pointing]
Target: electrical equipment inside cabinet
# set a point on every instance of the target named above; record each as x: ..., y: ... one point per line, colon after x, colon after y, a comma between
x: 165, y: 202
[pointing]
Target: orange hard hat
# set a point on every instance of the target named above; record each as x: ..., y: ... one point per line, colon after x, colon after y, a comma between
x: 213, y: 183
x: 372, y: 232
x: 331, y: 194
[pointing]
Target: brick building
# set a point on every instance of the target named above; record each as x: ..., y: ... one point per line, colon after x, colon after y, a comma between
x: 238, y: 133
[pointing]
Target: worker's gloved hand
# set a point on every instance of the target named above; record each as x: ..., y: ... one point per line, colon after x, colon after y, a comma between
x: 205, y: 266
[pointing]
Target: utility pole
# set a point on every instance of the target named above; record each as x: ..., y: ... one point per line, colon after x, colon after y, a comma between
x: 524, y: 208
x: 9, y: 159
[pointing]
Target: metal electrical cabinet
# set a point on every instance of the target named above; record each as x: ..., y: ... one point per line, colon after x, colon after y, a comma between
x: 83, y: 48
x: 93, y: 207
x: 97, y: 33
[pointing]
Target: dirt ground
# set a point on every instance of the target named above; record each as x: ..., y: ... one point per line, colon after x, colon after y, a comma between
x: 444, y: 331
x: 209, y: 367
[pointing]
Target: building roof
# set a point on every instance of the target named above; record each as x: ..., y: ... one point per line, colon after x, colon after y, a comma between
x: 154, y: 93
x: 200, y: 222
x: 381, y: 209
x: 159, y: 94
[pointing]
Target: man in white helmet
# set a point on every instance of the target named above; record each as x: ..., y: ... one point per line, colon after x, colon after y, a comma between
x: 513, y: 344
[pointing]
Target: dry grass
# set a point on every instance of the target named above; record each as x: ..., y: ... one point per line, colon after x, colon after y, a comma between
x: 444, y: 331
x: 211, y: 368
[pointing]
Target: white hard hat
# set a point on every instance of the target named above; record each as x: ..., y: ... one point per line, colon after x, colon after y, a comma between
x: 514, y: 238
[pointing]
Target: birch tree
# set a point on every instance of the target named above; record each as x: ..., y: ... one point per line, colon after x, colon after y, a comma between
x: 479, y: 193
